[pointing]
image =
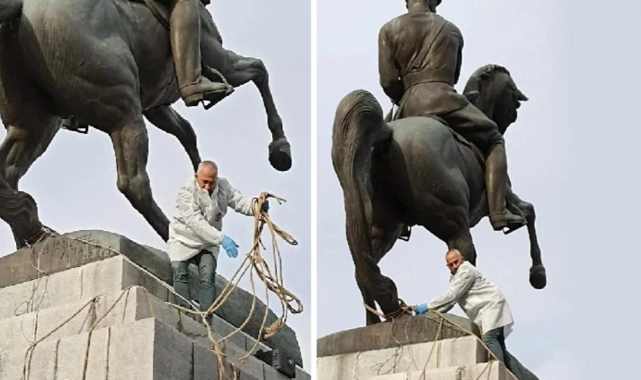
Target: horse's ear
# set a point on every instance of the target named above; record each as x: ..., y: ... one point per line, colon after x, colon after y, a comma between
x: 472, y: 96
x: 521, y: 96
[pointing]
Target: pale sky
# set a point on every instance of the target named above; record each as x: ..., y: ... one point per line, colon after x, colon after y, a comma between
x: 74, y: 182
x: 576, y: 60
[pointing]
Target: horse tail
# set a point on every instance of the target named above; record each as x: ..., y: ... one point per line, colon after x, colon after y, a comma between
x: 10, y: 9
x: 358, y: 127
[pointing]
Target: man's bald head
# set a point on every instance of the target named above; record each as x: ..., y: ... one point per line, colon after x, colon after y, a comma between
x: 207, y: 175
x: 211, y: 165
x: 454, y: 260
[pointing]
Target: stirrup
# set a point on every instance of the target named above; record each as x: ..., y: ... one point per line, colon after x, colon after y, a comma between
x: 406, y: 233
x: 507, y: 226
x: 74, y: 126
x: 208, y: 98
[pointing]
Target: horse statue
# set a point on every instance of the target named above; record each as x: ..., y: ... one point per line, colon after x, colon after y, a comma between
x: 108, y: 64
x: 418, y: 171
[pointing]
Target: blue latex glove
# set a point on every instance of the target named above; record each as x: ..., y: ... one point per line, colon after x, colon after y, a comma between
x: 230, y: 246
x: 265, y: 207
x: 421, y: 309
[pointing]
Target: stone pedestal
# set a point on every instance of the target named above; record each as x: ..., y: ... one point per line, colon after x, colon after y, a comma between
x: 410, y: 348
x: 135, y: 334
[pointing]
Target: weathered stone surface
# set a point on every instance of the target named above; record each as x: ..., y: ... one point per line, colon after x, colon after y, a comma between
x: 61, y: 253
x: 147, y: 349
x: 464, y: 351
x: 113, y: 309
x: 74, y: 285
x: 403, y: 331
x: 487, y: 371
x: 58, y: 296
x: 339, y: 370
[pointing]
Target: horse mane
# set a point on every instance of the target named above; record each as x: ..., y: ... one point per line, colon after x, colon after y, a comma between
x: 485, y: 72
x: 480, y: 78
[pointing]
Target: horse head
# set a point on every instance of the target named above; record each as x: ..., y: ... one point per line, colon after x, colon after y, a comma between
x: 492, y: 89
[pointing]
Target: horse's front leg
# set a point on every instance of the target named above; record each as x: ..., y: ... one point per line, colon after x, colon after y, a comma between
x: 538, y: 278
x: 241, y: 70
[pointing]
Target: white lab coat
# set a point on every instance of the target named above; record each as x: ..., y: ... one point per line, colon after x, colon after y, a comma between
x: 198, y: 218
x: 480, y: 299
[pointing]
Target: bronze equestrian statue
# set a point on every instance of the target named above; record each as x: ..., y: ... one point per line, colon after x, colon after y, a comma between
x: 421, y: 169
x: 420, y: 57
x: 110, y: 64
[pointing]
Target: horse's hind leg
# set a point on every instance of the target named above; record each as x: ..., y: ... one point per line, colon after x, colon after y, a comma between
x: 385, y: 229
x: 463, y: 243
x: 167, y: 119
x: 385, y: 233
x: 26, y: 140
x: 131, y: 146
x: 30, y: 128
x: 449, y: 221
x: 240, y: 70
x: 386, y: 225
x: 23, y: 146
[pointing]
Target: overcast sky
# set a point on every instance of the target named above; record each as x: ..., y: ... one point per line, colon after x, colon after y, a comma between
x: 574, y: 145
x: 74, y: 182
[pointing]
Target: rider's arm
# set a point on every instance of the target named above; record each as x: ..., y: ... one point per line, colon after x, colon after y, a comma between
x: 388, y: 75
x: 459, y: 59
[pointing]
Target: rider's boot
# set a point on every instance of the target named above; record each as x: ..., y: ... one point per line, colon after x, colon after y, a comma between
x: 496, y: 182
x: 185, y: 43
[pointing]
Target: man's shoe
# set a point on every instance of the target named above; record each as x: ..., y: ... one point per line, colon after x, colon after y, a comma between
x: 507, y: 220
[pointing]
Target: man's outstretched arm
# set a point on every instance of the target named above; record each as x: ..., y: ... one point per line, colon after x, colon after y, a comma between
x: 459, y: 285
x: 238, y: 201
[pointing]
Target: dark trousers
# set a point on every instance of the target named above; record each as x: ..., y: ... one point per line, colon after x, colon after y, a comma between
x: 495, y: 341
x: 207, y: 264
x: 475, y: 127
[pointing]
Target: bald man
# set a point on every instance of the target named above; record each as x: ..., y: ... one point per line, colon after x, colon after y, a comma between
x: 195, y: 231
x: 483, y: 303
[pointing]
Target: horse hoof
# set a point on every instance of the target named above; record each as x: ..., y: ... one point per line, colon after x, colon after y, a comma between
x: 538, y: 279
x: 280, y: 156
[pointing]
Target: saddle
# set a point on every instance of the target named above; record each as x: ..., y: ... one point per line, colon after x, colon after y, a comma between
x: 477, y: 152
x: 392, y: 116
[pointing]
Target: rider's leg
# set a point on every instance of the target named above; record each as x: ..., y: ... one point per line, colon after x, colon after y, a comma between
x: 185, y: 43
x: 496, y: 183
x: 472, y: 124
